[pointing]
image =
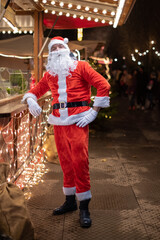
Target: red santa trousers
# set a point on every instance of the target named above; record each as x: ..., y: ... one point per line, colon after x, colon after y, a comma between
x: 72, y: 148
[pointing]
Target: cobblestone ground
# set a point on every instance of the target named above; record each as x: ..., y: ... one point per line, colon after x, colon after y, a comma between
x: 125, y: 183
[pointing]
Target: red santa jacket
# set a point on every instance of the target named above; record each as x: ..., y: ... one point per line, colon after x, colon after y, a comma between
x: 73, y: 88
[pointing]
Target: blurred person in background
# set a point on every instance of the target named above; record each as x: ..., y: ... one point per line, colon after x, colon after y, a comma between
x: 131, y: 90
x: 141, y: 88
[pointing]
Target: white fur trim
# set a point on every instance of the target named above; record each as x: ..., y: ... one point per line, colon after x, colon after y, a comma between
x: 28, y: 95
x: 66, y: 121
x: 69, y: 191
x: 102, y: 102
x: 84, y: 195
x: 52, y: 42
x: 62, y: 86
x: 66, y: 40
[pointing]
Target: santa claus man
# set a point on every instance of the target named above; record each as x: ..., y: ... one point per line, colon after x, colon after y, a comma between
x: 70, y: 83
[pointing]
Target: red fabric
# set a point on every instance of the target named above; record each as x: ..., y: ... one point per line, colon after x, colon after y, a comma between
x: 72, y: 147
x: 78, y: 87
x: 69, y: 22
x: 58, y: 38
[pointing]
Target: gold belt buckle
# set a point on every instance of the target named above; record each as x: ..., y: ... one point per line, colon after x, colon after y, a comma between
x: 62, y: 105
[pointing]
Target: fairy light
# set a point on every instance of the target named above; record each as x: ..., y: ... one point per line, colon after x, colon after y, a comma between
x: 53, y: 2
x: 104, y: 11
x: 81, y: 17
x: 96, y: 19
x: 61, y: 4
x: 44, y: 1
x: 87, y: 8
x: 67, y: 14
x: 89, y: 18
x: 112, y: 13
x: 110, y: 22
x: 53, y: 12
x: 70, y: 5
x: 95, y: 10
x: 103, y: 21
x: 74, y: 15
x: 31, y: 171
x: 46, y: 10
x: 60, y: 13
x: 78, y: 7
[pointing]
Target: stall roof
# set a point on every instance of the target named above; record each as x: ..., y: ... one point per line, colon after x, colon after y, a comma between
x: 72, y: 14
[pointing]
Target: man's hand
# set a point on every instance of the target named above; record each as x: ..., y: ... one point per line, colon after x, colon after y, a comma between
x: 90, y: 117
x: 34, y: 108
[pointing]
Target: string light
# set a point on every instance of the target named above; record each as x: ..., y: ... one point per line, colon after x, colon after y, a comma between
x: 87, y: 8
x: 78, y: 6
x: 69, y: 5
x: 104, y: 11
x: 32, y: 168
x: 95, y: 10
x: 61, y: 4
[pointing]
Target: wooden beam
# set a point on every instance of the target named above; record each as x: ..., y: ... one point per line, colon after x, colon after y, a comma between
x: 38, y: 41
x: 40, y: 44
x: 129, y: 4
x: 36, y: 45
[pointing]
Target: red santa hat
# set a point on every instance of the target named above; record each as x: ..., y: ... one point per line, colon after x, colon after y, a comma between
x: 58, y: 40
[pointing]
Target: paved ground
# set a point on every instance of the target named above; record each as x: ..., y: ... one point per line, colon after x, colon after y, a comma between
x: 125, y: 180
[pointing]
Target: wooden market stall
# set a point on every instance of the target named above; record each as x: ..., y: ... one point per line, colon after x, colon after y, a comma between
x: 33, y: 15
x: 21, y: 135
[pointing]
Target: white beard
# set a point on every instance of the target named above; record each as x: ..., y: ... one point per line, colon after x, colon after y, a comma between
x: 60, y: 62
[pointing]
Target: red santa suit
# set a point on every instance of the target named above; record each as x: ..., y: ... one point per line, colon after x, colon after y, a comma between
x: 71, y: 140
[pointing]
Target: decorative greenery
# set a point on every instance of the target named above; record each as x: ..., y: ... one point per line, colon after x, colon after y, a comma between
x: 18, y: 83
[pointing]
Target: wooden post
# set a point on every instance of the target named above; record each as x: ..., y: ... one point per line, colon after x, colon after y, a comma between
x: 38, y: 42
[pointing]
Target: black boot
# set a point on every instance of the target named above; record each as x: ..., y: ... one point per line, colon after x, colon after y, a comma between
x: 69, y: 205
x: 84, y: 214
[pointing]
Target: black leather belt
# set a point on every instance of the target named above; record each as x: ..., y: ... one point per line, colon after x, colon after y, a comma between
x: 63, y: 105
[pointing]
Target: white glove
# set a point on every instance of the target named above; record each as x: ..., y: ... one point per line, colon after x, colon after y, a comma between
x: 90, y: 117
x: 34, y: 108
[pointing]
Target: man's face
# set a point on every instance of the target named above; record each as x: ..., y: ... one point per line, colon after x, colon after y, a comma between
x: 57, y: 47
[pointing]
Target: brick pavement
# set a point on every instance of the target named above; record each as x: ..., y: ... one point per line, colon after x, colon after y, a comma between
x: 125, y: 184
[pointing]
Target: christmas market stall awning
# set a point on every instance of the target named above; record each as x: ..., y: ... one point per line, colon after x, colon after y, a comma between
x: 18, y: 16
x: 23, y: 46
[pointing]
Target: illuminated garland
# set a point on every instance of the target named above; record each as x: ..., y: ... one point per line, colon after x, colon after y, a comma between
x: 30, y: 165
